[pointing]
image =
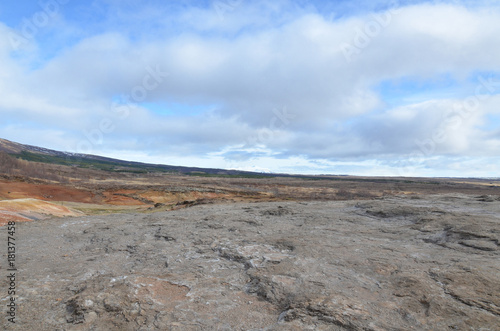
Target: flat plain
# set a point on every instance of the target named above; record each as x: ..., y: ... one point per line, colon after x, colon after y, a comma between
x: 281, y: 253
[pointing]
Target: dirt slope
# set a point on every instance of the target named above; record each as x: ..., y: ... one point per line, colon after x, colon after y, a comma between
x: 24, y: 210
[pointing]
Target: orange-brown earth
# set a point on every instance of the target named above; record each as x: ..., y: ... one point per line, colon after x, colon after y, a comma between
x: 11, y: 189
x: 45, y: 198
x: 160, y: 192
x: 24, y: 210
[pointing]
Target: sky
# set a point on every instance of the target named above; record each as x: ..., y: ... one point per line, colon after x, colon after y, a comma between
x: 380, y: 88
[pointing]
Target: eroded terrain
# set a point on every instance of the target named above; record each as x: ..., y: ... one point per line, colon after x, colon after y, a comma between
x: 125, y: 193
x: 421, y: 262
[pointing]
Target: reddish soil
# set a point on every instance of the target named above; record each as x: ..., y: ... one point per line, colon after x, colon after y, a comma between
x: 121, y: 198
x: 48, y: 192
x: 25, y: 210
x: 8, y: 217
x: 53, y: 192
x: 168, y: 192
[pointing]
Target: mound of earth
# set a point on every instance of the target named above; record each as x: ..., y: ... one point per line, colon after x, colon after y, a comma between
x: 49, y: 192
x: 24, y: 210
x: 392, y: 264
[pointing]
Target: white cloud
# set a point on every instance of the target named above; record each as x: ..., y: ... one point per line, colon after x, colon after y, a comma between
x: 257, y: 59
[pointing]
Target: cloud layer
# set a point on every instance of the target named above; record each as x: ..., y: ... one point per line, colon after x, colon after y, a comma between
x: 394, y: 89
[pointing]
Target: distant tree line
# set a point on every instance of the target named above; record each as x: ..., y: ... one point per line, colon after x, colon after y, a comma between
x: 10, y: 166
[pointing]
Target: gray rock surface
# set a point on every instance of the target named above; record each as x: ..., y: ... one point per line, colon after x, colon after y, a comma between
x: 431, y: 263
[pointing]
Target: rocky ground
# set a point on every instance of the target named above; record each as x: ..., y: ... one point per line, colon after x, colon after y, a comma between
x: 395, y: 263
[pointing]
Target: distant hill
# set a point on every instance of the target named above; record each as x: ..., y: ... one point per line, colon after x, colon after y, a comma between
x: 44, y: 155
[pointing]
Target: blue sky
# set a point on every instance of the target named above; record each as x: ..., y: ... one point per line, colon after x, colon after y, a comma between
x: 396, y: 88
